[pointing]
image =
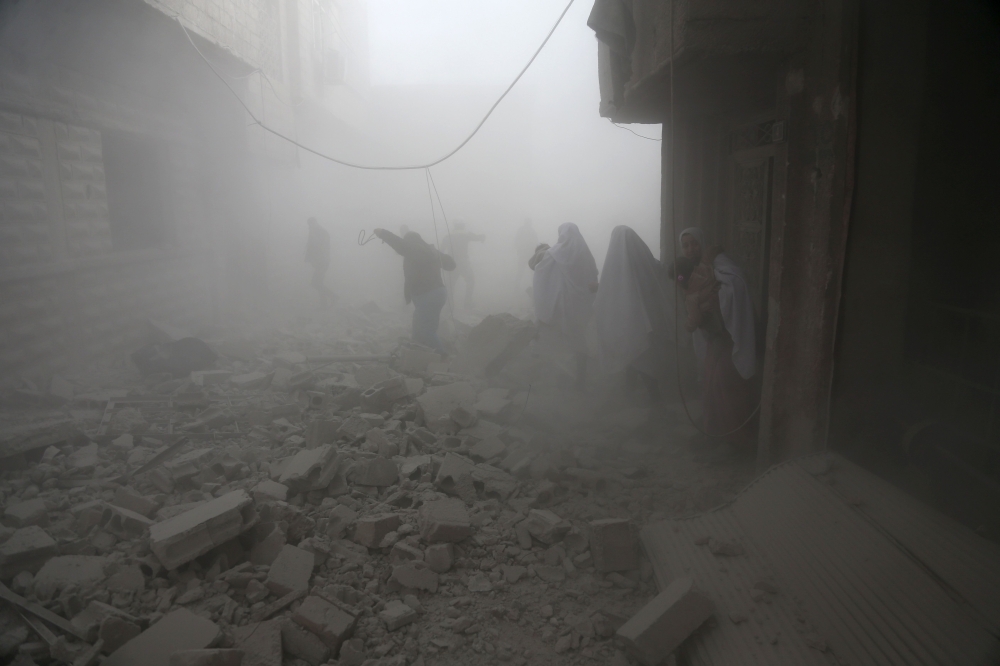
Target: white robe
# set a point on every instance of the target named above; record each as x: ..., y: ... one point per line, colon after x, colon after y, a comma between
x: 561, y: 286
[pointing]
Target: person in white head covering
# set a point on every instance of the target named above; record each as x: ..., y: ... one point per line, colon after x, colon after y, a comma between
x: 632, y: 313
x: 563, y: 286
x: 724, y: 340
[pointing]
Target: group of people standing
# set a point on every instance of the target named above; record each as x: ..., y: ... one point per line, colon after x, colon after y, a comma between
x: 628, y: 305
x: 634, y: 323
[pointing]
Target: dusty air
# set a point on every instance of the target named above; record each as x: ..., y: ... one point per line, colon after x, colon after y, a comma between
x: 506, y: 332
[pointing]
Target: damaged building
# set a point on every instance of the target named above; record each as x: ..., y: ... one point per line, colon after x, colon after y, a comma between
x: 321, y: 490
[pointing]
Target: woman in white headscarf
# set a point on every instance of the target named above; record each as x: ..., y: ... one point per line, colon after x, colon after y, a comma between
x: 724, y: 339
x: 564, y: 283
x: 633, y: 317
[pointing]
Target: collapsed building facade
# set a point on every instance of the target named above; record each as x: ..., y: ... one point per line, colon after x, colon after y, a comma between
x: 133, y: 180
x: 809, y: 142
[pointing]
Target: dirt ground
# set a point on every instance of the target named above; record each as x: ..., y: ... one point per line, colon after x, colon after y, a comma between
x: 87, y: 441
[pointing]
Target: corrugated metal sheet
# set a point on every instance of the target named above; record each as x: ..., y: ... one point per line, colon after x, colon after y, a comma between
x: 863, y: 574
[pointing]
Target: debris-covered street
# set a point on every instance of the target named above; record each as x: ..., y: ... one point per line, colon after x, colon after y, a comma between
x: 330, y: 489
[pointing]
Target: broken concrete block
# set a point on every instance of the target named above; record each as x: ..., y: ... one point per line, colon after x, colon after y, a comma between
x: 378, y: 472
x: 321, y: 432
x: 290, y: 571
x: 465, y: 418
x: 30, y: 512
x: 370, y: 530
x: 493, y: 342
x: 260, y: 642
x: 397, y: 614
x: 127, y: 499
x: 310, y: 469
x: 546, y: 526
x: 440, y: 557
x: 488, y: 448
x: 299, y: 643
x: 613, y: 545
x: 252, y: 381
x: 123, y: 523
x: 270, y: 491
x: 116, y: 631
x: 415, y: 575
x: 176, y: 631
x: 413, y: 466
x: 88, y: 621
x: 83, y: 571
x: 354, y: 427
x: 444, y: 520
x: 214, y: 657
x: 123, y: 443
x: 331, y: 624
x: 127, y: 579
x: 340, y: 518
x: 653, y: 633
x: 189, y: 464
x: 437, y: 403
x: 352, y: 653
x: 181, y: 539
x: 404, y: 552
x: 26, y: 550
x: 83, y: 458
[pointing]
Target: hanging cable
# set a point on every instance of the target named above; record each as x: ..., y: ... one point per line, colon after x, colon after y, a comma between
x: 451, y: 241
x: 628, y: 129
x: 372, y: 167
x: 671, y: 147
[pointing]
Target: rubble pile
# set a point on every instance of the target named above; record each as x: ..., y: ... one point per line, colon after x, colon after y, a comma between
x: 362, y: 509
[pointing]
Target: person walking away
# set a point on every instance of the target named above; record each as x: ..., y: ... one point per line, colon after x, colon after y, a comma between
x: 318, y: 256
x: 724, y: 338
x: 457, y: 244
x: 525, y: 242
x: 563, y: 287
x: 633, y: 319
x: 422, y: 284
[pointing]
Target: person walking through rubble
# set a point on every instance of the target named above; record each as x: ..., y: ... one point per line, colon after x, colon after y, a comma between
x: 724, y: 337
x: 318, y: 256
x: 563, y: 287
x: 457, y: 244
x: 422, y: 284
x: 633, y: 319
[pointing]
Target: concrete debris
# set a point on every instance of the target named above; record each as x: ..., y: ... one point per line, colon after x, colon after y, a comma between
x: 179, y: 540
x: 653, y: 633
x: 177, y: 631
x: 266, y: 512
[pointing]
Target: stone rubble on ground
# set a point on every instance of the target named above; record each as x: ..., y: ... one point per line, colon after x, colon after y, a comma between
x: 272, y: 512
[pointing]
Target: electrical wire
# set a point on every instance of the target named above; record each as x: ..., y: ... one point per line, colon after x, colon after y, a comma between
x: 627, y: 129
x: 371, y: 167
x: 671, y: 147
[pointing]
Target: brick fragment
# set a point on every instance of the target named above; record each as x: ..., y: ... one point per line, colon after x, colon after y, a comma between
x: 440, y: 557
x: 260, y: 642
x: 124, y: 523
x: 613, y: 545
x: 370, y: 530
x: 178, y: 630
x: 653, y: 633
x: 331, y: 624
x: 290, y: 571
x: 302, y: 644
x: 379, y: 471
x: 404, y: 552
x: 396, y: 614
x: 310, y: 469
x: 415, y: 575
x: 546, y: 526
x: 444, y: 520
x: 270, y: 491
x: 182, y: 538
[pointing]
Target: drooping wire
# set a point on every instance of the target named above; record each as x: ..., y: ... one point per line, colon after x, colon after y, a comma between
x: 672, y: 148
x: 451, y: 240
x: 628, y: 129
x: 361, y: 238
x: 372, y: 167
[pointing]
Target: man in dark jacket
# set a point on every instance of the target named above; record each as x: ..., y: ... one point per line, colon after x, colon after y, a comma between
x: 422, y: 284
